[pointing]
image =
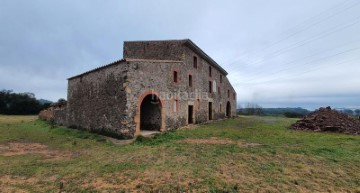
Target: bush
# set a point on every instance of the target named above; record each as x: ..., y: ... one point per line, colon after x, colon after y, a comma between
x: 293, y: 115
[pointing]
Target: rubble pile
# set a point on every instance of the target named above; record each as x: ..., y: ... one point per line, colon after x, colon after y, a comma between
x: 327, y: 120
x: 47, y: 114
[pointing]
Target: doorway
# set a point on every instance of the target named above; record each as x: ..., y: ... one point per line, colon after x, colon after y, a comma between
x: 150, y: 113
x: 190, y: 114
x: 210, y: 110
x: 228, y: 109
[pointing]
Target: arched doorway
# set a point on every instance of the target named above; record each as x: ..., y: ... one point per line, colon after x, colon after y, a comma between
x: 228, y: 109
x: 150, y: 113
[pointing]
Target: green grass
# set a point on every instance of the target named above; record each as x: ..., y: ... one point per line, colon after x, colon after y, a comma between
x: 285, y: 161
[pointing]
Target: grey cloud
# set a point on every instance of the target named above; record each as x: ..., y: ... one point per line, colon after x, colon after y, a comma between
x: 44, y: 42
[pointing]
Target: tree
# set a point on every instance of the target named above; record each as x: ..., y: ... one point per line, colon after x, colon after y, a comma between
x: 348, y: 111
x: 357, y: 112
x: 18, y: 103
x: 253, y: 109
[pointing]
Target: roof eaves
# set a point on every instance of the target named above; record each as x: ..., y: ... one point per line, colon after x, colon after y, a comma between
x: 198, y: 50
x: 98, y: 68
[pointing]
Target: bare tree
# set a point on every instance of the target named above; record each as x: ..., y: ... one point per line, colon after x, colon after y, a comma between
x: 357, y: 112
x: 253, y: 109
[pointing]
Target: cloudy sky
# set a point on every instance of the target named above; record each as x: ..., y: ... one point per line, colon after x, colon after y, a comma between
x: 278, y: 53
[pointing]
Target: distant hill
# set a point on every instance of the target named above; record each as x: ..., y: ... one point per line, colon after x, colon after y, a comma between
x: 348, y: 111
x: 281, y: 111
x: 278, y: 111
x: 44, y: 101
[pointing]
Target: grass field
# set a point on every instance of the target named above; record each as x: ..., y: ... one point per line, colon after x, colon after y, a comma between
x: 246, y: 154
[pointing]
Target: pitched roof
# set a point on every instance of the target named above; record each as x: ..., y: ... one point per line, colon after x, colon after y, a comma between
x: 199, y: 51
x: 98, y: 68
x: 186, y: 42
x: 193, y: 47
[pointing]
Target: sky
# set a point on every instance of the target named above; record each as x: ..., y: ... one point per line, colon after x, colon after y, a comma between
x: 278, y: 53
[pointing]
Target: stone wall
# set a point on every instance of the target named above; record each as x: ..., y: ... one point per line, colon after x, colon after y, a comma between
x: 108, y: 100
x: 219, y: 95
x: 157, y: 76
x: 97, y: 101
x: 56, y: 115
x: 60, y: 117
x: 47, y: 114
x: 155, y: 50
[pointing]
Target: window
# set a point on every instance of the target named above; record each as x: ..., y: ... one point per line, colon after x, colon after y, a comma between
x: 195, y: 62
x: 175, y: 76
x: 219, y: 90
x: 220, y: 78
x: 210, y: 86
x: 228, y: 93
x: 175, y: 106
x: 190, y: 81
x: 210, y: 71
x: 220, y: 108
x: 198, y: 104
x: 214, y: 86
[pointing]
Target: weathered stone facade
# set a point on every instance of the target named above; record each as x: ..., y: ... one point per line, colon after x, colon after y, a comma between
x: 159, y: 85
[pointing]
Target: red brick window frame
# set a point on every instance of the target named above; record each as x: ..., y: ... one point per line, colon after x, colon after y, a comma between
x: 175, y: 106
x: 195, y: 62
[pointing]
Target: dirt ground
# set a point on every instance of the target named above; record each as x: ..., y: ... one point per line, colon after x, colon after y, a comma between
x: 15, y: 149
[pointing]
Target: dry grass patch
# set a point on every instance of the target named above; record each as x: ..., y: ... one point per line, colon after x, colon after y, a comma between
x: 217, y: 141
x: 17, y: 149
x: 149, y: 180
x: 10, y: 119
x: 21, y: 184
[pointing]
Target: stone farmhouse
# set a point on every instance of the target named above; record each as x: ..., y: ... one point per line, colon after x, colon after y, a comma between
x: 158, y: 86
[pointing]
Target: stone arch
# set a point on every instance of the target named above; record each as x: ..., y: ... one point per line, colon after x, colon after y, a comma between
x: 149, y: 112
x: 228, y: 109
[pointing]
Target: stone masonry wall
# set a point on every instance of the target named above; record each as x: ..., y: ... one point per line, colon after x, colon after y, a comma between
x: 219, y: 96
x: 107, y: 100
x: 97, y: 101
x: 158, y: 76
x: 155, y: 76
x: 60, y: 116
x: 155, y: 50
x: 201, y: 80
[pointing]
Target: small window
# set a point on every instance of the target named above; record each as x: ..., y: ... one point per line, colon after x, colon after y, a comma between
x: 219, y: 90
x: 220, y: 108
x: 220, y: 78
x: 228, y: 93
x: 190, y: 80
x: 195, y: 62
x: 175, y: 76
x: 175, y: 106
x: 210, y: 86
x: 210, y: 71
x: 198, y: 104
